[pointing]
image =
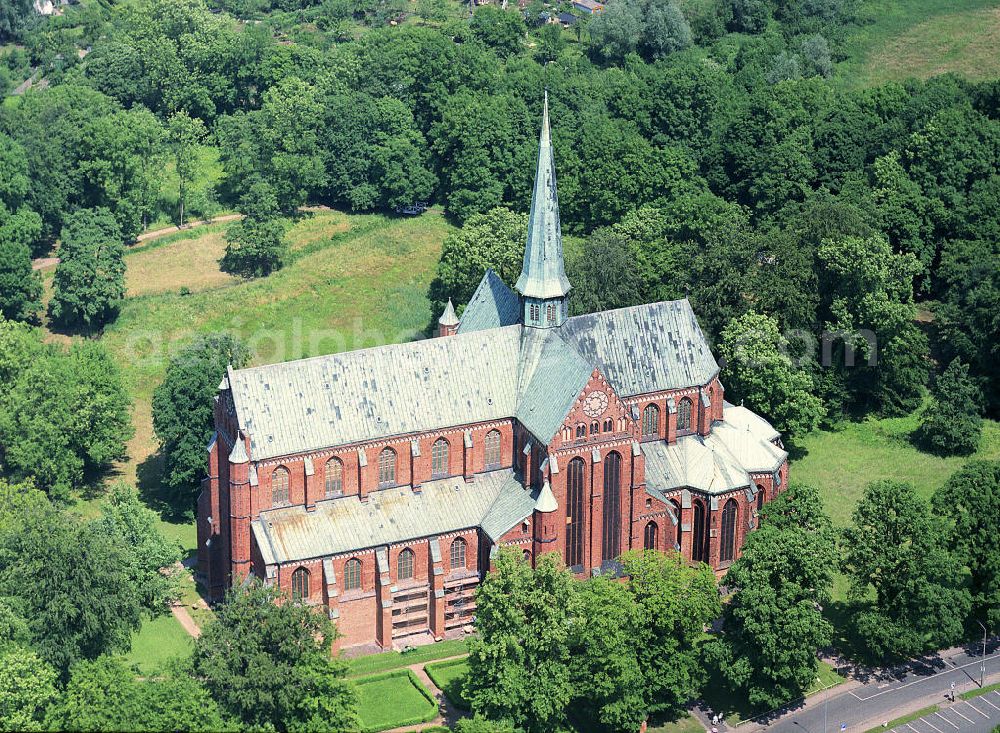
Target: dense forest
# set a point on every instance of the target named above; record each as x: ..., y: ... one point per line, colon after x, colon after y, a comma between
x: 702, y: 152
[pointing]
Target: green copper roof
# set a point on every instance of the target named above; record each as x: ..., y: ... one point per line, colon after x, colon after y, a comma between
x: 542, y: 275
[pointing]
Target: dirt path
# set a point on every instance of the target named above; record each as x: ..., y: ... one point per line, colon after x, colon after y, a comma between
x: 185, y: 620
x: 153, y: 234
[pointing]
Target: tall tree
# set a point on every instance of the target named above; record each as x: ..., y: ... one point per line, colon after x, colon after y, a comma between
x: 603, y: 274
x: 182, y: 412
x: 675, y: 603
x: 255, y: 245
x: 69, y: 581
x: 895, y: 549
x: 758, y: 368
x: 970, y: 500
x: 952, y: 424
x: 20, y: 285
x: 89, y: 284
x: 502, y: 31
x: 184, y: 135
x: 270, y: 664
x: 774, y: 625
x: 520, y: 662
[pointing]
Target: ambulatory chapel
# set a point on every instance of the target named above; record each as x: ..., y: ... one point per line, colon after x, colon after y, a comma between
x: 379, y: 483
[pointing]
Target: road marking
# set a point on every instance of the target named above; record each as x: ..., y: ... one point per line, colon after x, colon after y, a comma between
x: 912, y: 728
x: 960, y: 715
x: 983, y: 698
x: 977, y: 709
x: 925, y: 720
x: 947, y: 721
x: 989, y: 658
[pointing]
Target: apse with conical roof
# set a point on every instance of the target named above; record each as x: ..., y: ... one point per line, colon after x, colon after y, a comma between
x: 543, y: 284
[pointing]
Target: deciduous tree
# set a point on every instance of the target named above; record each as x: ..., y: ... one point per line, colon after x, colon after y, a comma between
x: 774, y: 625
x: 269, y: 664
x: 182, y: 412
x: 895, y: 549
x: 952, y: 424
x: 970, y: 499
x: 89, y: 284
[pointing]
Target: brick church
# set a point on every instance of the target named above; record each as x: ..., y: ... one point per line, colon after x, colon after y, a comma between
x: 378, y: 483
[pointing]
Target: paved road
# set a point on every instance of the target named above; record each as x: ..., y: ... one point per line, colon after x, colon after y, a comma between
x: 891, y: 694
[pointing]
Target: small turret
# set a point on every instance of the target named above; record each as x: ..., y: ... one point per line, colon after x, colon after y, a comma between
x: 448, y: 322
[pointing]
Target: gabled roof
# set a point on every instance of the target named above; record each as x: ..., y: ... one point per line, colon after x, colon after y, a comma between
x: 645, y: 348
x: 543, y: 274
x: 748, y: 437
x: 552, y: 375
x: 355, y: 396
x: 491, y: 306
x: 496, y: 502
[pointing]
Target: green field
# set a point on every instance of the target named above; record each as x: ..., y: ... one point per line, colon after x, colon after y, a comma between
x: 685, y: 724
x: 842, y: 463
x: 392, y: 700
x: 449, y: 677
x: 922, y: 38
x: 157, y: 642
x: 395, y: 660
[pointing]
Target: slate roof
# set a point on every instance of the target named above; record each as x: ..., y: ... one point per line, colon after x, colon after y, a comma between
x: 552, y: 375
x: 495, y: 501
x: 721, y: 461
x: 543, y: 274
x: 645, y: 348
x: 325, y: 401
x: 492, y: 305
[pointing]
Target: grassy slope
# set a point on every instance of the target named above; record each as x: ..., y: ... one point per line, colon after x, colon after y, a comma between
x: 921, y: 38
x: 352, y: 282
x: 395, y: 660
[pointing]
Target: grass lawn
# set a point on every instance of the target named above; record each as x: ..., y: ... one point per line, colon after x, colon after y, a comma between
x: 396, y: 660
x: 685, y: 724
x: 392, y: 700
x: 159, y: 640
x: 842, y: 463
x: 921, y: 38
x: 449, y: 677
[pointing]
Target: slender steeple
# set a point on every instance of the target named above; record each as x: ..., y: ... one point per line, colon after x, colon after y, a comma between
x: 543, y: 284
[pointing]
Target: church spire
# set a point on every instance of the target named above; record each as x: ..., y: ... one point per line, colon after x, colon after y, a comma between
x: 543, y: 284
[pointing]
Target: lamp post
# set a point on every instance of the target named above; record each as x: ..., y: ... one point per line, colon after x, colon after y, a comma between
x: 982, y: 668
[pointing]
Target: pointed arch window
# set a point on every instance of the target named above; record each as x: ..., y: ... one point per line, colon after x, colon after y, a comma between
x: 608, y: 425
x: 300, y: 584
x: 404, y: 565
x: 493, y: 449
x: 574, y: 512
x: 550, y: 313
x: 679, y: 526
x: 684, y: 415
x: 611, y: 545
x: 439, y: 457
x: 581, y: 431
x: 534, y: 313
x: 333, y: 478
x: 279, y: 487
x: 651, y: 536
x: 698, y: 549
x: 595, y: 428
x: 650, y: 421
x: 387, y: 467
x: 458, y: 548
x: 761, y: 497
x: 352, y: 574
x: 727, y: 546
